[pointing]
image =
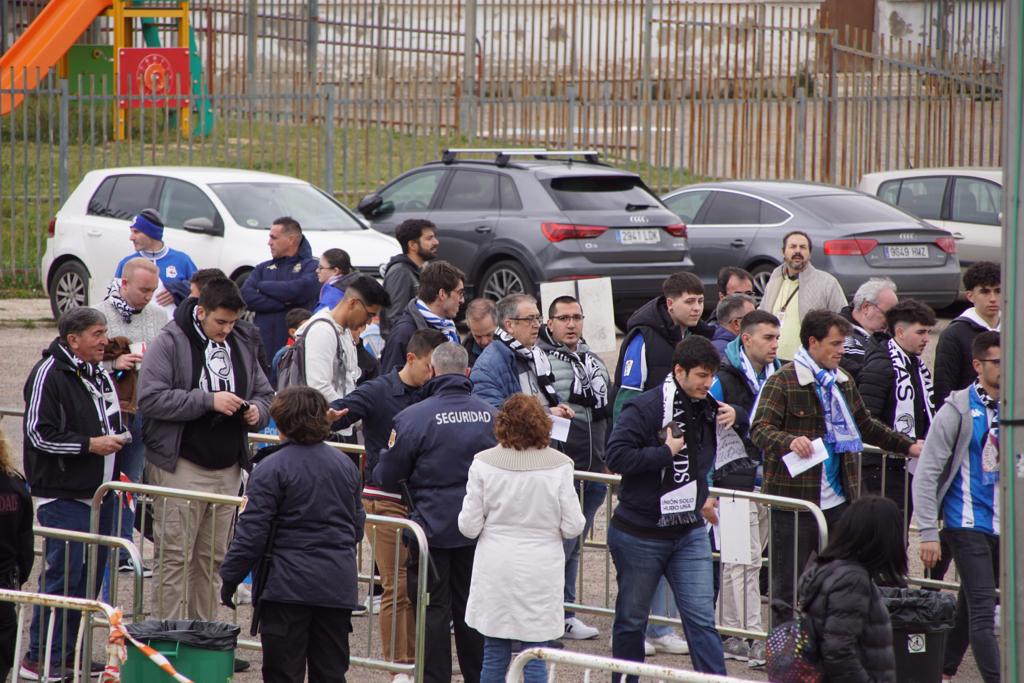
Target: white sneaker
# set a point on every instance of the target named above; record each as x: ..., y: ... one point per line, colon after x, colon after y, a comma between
x: 649, y: 650
x: 670, y: 644
x: 577, y: 630
x: 373, y: 604
x: 402, y: 678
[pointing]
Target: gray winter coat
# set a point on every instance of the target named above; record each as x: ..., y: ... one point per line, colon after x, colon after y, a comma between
x: 818, y: 289
x: 168, y: 401
x: 947, y: 444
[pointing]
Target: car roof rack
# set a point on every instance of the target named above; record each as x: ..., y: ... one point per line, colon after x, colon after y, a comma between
x: 502, y: 156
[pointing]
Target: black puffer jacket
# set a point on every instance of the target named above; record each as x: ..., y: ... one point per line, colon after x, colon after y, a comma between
x: 953, y: 367
x: 878, y: 388
x: 850, y: 622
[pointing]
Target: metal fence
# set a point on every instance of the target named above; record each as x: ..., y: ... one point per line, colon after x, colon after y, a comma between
x: 348, y: 93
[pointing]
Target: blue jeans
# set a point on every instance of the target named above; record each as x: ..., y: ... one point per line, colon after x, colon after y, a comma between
x: 686, y: 563
x: 132, y: 459
x: 593, y: 497
x: 73, y: 516
x: 498, y: 655
x: 662, y: 605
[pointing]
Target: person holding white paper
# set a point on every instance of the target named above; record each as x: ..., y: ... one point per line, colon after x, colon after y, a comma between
x: 749, y: 361
x: 665, y: 444
x: 808, y: 399
x: 581, y: 381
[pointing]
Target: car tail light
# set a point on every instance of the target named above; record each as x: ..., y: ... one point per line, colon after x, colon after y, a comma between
x: 556, y: 232
x: 51, y: 229
x: 849, y: 247
x: 946, y: 244
x: 677, y: 230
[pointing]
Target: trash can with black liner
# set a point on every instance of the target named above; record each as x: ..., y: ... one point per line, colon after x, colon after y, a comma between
x: 920, y: 620
x: 200, y: 650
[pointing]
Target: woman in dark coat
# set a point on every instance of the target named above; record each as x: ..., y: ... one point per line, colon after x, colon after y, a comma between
x: 839, y: 592
x: 310, y: 496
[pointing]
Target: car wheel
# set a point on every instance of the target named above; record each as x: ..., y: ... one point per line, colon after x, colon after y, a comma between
x: 69, y: 288
x: 504, y: 278
x: 761, y: 275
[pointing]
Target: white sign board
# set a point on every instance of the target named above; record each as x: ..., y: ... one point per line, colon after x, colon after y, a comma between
x: 595, y: 296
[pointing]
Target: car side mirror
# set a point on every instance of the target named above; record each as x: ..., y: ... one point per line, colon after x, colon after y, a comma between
x: 201, y: 224
x: 369, y: 204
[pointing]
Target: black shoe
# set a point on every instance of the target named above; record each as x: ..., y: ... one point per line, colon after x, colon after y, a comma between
x: 555, y: 645
x: 241, y: 665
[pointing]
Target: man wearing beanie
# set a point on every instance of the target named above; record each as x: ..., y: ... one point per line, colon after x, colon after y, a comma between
x: 176, y: 268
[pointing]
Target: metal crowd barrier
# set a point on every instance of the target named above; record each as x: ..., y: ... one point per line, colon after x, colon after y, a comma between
x: 592, y: 663
x: 52, y: 603
x: 773, y: 502
x: 149, y: 496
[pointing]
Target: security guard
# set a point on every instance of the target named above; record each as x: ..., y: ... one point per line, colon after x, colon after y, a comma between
x: 430, y: 451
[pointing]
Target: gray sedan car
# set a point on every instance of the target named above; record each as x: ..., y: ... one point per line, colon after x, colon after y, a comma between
x: 855, y: 236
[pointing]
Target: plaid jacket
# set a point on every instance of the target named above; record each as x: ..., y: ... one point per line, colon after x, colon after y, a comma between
x: 788, y: 407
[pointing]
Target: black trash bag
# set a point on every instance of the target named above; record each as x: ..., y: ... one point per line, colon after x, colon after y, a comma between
x: 206, y: 635
x: 919, y: 610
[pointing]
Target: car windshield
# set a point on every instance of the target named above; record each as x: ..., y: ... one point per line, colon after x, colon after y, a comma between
x: 256, y: 205
x: 601, y: 193
x: 842, y: 209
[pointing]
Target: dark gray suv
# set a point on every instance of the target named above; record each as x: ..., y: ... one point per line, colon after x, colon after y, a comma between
x: 525, y: 217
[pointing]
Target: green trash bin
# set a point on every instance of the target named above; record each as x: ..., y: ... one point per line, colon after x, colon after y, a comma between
x: 204, y: 651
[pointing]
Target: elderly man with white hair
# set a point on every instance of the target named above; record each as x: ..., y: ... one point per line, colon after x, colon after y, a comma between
x: 871, y: 302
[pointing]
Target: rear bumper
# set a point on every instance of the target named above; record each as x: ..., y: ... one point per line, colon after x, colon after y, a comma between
x: 936, y: 286
x: 632, y: 284
x: 44, y: 266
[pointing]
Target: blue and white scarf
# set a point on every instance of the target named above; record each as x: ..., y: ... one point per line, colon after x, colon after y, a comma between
x: 840, y: 429
x: 438, y: 323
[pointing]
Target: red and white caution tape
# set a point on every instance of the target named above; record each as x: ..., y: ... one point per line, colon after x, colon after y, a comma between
x: 117, y: 652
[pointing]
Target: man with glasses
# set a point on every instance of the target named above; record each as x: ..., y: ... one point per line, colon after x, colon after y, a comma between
x: 730, y: 312
x: 581, y: 381
x: 957, y: 479
x: 440, y: 294
x: 332, y: 365
x: 871, y: 302
x: 513, y: 363
x: 731, y: 280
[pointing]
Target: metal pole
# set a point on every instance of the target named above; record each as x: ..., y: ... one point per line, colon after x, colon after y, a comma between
x: 645, y: 80
x: 468, y: 107
x: 329, y: 140
x: 62, y: 141
x: 800, y: 133
x: 250, y: 43
x: 312, y: 38
x: 1012, y: 441
x: 3, y: 26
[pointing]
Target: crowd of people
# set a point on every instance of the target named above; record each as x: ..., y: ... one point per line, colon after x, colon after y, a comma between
x: 163, y: 380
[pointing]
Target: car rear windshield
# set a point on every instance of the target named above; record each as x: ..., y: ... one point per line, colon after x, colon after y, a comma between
x: 840, y: 209
x: 257, y: 205
x: 600, y: 193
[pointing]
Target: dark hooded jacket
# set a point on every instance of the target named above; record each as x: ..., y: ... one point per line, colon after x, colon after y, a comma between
x: 851, y: 623
x: 409, y: 320
x: 401, y: 282
x: 277, y: 286
x: 857, y: 345
x: 953, y: 363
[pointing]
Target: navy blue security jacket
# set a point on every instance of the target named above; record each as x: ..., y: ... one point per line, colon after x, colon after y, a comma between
x: 277, y: 286
x: 314, y: 493
x: 376, y: 403
x: 432, y: 447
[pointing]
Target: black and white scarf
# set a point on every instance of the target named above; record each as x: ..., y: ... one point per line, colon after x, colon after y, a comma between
x: 217, y: 373
x: 123, y: 308
x: 538, y: 362
x: 101, y: 388
x: 679, y: 487
x: 437, y: 322
x: 990, y: 448
x: 904, y: 417
x: 589, y: 387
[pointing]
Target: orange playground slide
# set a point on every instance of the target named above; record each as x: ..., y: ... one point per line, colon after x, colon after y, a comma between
x: 42, y: 45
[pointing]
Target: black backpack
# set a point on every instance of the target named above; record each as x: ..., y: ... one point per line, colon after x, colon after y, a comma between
x: 291, y: 369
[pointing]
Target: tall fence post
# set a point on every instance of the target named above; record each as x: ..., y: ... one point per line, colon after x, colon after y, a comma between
x: 250, y: 43
x: 570, y: 123
x: 799, y: 172
x: 467, y: 109
x: 312, y: 38
x: 645, y: 78
x: 62, y: 142
x: 329, y: 139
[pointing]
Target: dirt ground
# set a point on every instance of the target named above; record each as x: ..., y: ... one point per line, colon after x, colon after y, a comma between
x: 26, y: 328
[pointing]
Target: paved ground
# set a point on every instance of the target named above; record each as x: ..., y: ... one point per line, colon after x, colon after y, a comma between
x: 26, y: 328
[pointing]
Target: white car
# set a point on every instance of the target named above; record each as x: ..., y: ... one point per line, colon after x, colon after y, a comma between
x: 966, y: 201
x: 218, y: 216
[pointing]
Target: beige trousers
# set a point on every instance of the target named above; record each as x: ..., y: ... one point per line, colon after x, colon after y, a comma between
x: 395, y: 604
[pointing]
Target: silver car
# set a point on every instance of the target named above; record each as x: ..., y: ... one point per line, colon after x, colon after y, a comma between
x: 854, y: 236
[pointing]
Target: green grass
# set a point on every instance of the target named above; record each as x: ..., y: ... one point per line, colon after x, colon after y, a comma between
x: 365, y: 155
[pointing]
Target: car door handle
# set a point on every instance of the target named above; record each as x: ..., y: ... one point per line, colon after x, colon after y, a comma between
x: 737, y: 243
x: 958, y: 235
x: 93, y: 233
x: 483, y: 229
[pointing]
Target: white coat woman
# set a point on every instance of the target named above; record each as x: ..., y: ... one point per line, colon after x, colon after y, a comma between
x: 520, y: 504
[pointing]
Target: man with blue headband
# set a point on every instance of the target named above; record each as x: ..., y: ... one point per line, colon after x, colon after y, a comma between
x: 176, y: 268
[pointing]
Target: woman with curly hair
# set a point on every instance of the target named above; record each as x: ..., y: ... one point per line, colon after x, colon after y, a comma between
x: 520, y: 504
x: 15, y: 548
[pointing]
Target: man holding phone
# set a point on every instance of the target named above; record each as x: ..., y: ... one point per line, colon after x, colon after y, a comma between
x: 201, y: 390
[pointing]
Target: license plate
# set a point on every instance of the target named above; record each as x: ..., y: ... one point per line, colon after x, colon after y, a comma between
x: 644, y: 236
x: 907, y: 252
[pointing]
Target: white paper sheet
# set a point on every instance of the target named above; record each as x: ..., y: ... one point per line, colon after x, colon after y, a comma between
x: 734, y: 530
x: 560, y: 428
x: 798, y: 465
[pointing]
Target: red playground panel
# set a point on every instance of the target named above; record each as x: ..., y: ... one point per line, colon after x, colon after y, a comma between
x: 153, y: 77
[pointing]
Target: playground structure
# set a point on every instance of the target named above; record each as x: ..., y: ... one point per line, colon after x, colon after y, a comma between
x: 137, y: 77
